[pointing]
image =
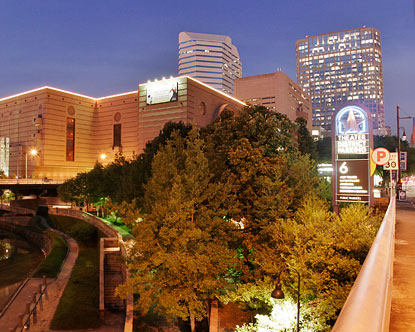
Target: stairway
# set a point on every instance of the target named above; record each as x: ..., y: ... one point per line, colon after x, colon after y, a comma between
x: 113, y: 276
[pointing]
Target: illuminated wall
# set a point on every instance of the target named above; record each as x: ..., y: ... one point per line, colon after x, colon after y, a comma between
x: 71, y: 131
x: 339, y: 67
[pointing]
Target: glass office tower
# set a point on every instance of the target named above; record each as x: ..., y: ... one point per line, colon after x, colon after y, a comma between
x: 340, y: 67
x: 211, y: 59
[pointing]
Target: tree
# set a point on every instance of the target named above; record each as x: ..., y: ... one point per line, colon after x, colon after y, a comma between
x: 254, y: 155
x: 121, y: 180
x: 328, y: 251
x: 306, y: 143
x: 324, y: 150
x: 182, y: 247
x: 210, y: 201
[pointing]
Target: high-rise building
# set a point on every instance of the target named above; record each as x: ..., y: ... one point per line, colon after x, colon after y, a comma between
x: 211, y: 59
x: 277, y: 92
x: 340, y: 67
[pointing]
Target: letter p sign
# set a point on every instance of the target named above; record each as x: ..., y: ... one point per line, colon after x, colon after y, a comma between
x: 380, y: 156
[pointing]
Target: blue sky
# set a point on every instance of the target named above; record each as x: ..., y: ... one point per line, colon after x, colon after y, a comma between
x: 105, y: 47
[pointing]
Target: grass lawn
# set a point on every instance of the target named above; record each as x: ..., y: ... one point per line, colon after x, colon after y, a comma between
x: 79, y: 305
x: 51, y: 266
x: 119, y: 226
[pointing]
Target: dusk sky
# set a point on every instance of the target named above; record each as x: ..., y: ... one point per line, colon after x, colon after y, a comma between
x: 106, y: 47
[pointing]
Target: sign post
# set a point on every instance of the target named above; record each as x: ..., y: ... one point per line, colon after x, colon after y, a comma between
x: 391, y: 165
x: 352, y: 141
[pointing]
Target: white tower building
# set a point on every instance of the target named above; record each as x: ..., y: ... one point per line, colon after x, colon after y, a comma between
x: 211, y: 59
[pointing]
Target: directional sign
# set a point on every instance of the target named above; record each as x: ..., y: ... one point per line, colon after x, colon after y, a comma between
x: 392, y: 164
x: 352, y: 180
x: 380, y: 156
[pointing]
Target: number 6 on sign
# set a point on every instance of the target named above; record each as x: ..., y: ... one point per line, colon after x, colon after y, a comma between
x: 343, y: 168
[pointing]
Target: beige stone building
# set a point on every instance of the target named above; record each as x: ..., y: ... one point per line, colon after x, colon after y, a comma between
x: 277, y: 92
x: 55, y: 134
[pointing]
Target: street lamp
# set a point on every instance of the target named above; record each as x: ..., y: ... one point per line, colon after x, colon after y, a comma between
x: 33, y: 153
x: 398, y: 178
x: 277, y: 293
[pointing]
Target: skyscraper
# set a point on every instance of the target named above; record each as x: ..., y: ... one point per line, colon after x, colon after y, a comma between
x: 340, y: 67
x: 211, y: 59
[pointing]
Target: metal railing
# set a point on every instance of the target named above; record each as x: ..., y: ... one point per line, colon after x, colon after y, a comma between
x: 368, y: 305
x: 31, y: 181
x: 29, y: 317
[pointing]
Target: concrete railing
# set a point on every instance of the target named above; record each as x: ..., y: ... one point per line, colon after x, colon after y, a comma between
x: 89, y: 218
x: 16, y: 209
x: 368, y: 305
x: 30, y: 181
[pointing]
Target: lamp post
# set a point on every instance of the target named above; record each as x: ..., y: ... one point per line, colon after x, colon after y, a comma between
x: 399, y: 140
x: 398, y: 175
x: 277, y: 293
x: 32, y: 152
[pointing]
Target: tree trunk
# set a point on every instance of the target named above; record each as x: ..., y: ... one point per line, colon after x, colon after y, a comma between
x: 192, y: 322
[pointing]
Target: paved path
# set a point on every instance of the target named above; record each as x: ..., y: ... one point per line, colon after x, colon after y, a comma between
x: 403, y: 289
x: 56, y: 288
x: 54, y: 291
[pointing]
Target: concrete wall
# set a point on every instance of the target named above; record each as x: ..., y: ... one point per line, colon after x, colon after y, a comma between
x: 121, y: 109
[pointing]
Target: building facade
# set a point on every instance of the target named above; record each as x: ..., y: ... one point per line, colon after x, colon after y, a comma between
x: 211, y: 59
x: 70, y: 132
x: 277, y: 92
x: 340, y: 67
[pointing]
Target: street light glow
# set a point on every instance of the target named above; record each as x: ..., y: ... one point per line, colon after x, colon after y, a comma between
x: 33, y: 152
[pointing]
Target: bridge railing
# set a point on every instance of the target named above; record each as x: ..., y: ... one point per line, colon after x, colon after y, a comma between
x: 368, y: 305
x: 16, y: 209
x: 30, y: 181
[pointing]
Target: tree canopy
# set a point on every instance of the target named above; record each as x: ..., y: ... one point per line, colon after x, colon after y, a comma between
x: 210, y: 200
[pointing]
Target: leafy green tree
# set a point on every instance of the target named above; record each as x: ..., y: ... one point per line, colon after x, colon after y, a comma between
x: 328, y: 251
x: 122, y: 180
x: 306, y: 143
x: 324, y: 150
x: 182, y: 252
x: 253, y: 154
x: 141, y: 167
x: 74, y: 190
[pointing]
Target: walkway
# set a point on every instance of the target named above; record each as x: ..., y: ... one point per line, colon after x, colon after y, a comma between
x: 403, y: 290
x: 54, y: 292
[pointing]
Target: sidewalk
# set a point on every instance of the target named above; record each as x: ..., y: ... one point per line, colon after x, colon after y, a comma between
x: 56, y: 288
x: 403, y: 289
